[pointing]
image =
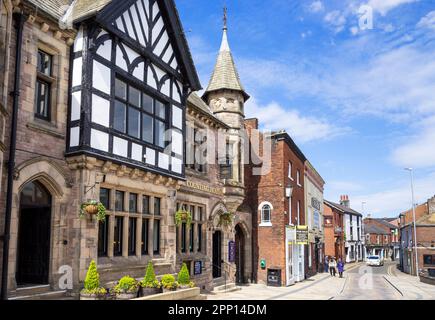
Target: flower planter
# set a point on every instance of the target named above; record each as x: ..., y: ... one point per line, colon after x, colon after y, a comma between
x: 168, y: 290
x: 148, y: 291
x: 126, y: 296
x: 91, y: 209
x: 86, y: 296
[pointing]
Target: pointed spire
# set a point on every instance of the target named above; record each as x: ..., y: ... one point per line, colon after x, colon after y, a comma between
x: 225, y: 75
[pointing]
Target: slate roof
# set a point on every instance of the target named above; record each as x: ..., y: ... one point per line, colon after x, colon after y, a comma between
x: 54, y: 8
x: 225, y: 75
x: 373, y: 229
x: 342, y: 208
x: 386, y: 223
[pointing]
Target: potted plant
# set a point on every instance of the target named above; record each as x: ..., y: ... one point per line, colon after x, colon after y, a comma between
x: 226, y: 219
x: 184, y: 278
x: 125, y: 289
x: 183, y: 216
x: 93, y: 208
x: 150, y: 285
x: 92, y: 289
x: 169, y: 283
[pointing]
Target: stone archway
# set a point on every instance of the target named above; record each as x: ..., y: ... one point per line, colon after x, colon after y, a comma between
x: 34, y: 232
x: 49, y: 176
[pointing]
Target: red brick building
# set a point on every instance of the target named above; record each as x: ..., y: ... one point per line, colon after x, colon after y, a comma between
x: 334, y: 230
x: 425, y: 229
x: 269, y: 198
x: 381, y: 238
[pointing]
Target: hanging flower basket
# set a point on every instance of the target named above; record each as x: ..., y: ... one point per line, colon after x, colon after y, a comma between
x: 93, y: 208
x: 183, y: 216
x: 226, y: 219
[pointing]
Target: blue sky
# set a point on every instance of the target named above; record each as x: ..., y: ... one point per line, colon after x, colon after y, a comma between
x: 359, y: 103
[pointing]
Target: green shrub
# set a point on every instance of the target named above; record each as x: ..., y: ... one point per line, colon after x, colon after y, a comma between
x: 183, y: 275
x: 127, y: 284
x: 150, y: 280
x: 168, y: 282
x: 92, y: 281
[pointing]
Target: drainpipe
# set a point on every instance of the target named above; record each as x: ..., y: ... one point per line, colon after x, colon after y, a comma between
x: 19, y: 19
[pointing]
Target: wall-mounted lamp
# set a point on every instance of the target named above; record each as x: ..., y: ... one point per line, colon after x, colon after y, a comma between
x: 288, y: 191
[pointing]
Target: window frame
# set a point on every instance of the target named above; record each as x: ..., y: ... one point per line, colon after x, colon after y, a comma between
x: 48, y: 80
x: 129, y: 105
x: 265, y: 222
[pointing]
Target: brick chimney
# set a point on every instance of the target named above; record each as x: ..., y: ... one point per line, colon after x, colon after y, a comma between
x: 344, y: 201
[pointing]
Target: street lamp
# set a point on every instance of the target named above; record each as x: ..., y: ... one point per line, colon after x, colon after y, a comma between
x: 413, y: 217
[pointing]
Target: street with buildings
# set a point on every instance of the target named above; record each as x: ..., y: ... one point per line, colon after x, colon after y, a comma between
x: 113, y: 152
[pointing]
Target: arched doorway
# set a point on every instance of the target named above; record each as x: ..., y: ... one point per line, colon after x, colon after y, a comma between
x: 34, y: 235
x: 240, y: 255
x: 217, y: 254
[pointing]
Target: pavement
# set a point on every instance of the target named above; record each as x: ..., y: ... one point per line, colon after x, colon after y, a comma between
x: 360, y: 282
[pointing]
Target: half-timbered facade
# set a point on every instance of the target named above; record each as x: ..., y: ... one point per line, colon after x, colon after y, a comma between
x: 101, y: 115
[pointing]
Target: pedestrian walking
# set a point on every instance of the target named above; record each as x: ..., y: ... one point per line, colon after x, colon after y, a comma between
x: 340, y: 267
x: 332, y: 266
x: 326, y: 264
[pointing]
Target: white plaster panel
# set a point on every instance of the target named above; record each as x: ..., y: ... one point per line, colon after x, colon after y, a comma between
x: 176, y: 165
x: 74, y: 137
x: 129, y: 25
x: 78, y: 42
x: 77, y: 72
x: 151, y: 80
x: 131, y: 53
x: 119, y: 24
x: 99, y: 140
x: 120, y: 147
x: 177, y: 117
x: 120, y: 61
x: 105, y: 50
x: 150, y: 156
x: 101, y: 77
x: 163, y: 161
x: 177, y: 142
x: 76, y: 102
x: 100, y: 110
x: 166, y: 88
x: 137, y: 23
x: 138, y: 72
x: 162, y: 43
x: 136, y: 152
x: 168, y: 54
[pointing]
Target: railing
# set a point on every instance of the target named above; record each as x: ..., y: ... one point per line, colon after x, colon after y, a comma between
x: 220, y: 268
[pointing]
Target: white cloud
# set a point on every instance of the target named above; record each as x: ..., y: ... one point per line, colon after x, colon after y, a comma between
x: 316, y: 6
x: 302, y: 129
x: 419, y: 150
x: 384, y: 6
x: 393, y: 201
x: 427, y: 21
x: 336, y: 20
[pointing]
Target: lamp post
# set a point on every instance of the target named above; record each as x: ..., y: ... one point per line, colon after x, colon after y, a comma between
x: 413, y: 217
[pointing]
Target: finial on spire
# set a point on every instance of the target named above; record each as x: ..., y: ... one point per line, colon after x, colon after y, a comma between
x: 225, y: 18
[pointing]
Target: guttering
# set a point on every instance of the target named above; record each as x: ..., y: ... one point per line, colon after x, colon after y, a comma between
x: 19, y: 19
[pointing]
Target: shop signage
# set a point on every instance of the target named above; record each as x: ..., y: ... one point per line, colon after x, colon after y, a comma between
x: 203, y: 187
x: 197, y: 267
x: 231, y: 251
x: 315, y: 203
x: 302, y: 234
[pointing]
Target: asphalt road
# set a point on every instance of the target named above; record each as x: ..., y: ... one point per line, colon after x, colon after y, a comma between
x: 368, y: 283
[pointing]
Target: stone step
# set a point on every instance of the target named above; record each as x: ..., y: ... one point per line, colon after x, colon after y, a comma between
x: 50, y: 295
x: 229, y: 287
x: 30, y: 290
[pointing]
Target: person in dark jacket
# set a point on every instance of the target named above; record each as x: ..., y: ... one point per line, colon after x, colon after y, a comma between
x: 326, y: 264
x: 340, y: 267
